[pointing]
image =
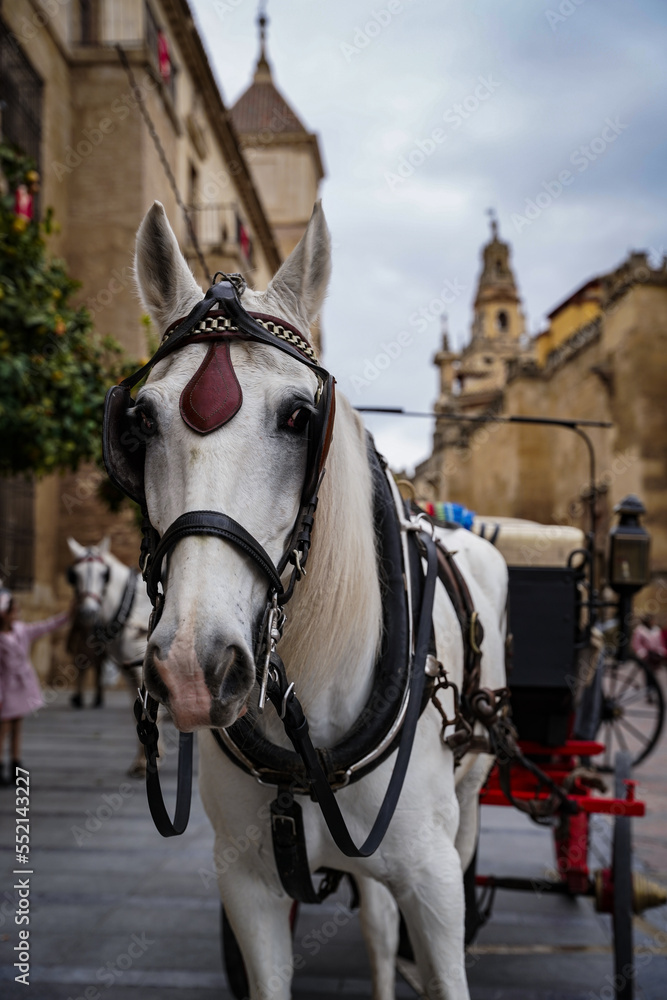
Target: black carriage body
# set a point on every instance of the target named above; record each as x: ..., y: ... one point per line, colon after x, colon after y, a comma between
x: 543, y: 622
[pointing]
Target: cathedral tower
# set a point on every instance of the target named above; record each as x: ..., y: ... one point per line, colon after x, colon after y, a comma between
x: 497, y: 317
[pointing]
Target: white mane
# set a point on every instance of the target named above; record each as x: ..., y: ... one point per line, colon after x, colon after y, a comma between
x: 338, y: 589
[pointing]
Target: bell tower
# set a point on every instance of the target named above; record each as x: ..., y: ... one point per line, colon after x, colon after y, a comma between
x: 497, y: 308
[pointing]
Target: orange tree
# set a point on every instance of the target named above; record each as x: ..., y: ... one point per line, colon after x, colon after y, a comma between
x: 54, y: 370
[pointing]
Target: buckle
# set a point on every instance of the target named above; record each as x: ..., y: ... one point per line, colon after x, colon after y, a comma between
x: 275, y: 622
x: 280, y: 818
x: 476, y: 633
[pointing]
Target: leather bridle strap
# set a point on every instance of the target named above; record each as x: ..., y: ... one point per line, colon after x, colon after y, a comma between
x: 193, y: 522
x: 224, y: 295
x: 286, y: 816
x: 209, y: 522
x: 145, y: 712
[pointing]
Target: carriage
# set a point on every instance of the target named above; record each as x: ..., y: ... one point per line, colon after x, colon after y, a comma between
x: 583, y: 705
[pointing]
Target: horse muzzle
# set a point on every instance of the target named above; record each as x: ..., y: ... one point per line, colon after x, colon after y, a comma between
x: 203, y: 685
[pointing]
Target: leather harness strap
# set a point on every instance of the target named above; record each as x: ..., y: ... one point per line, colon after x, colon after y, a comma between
x: 472, y: 630
x: 289, y: 843
x: 209, y: 522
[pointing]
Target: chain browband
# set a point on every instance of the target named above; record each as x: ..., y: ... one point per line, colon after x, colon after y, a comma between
x: 218, y: 321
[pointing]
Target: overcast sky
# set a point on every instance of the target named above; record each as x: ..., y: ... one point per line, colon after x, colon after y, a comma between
x: 431, y: 111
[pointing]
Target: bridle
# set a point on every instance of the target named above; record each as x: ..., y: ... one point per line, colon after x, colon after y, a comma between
x: 216, y: 321
x: 73, y: 581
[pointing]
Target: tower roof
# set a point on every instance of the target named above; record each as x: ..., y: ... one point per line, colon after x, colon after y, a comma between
x: 262, y: 106
x: 497, y: 278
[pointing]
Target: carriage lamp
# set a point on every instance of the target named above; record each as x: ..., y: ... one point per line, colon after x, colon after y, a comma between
x: 629, y: 544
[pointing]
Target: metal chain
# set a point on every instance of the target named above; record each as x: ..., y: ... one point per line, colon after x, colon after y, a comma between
x: 163, y: 158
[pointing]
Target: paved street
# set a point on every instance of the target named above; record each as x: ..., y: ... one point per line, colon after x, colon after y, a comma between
x: 116, y: 911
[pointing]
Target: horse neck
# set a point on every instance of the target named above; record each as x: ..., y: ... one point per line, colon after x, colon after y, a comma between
x: 335, y: 617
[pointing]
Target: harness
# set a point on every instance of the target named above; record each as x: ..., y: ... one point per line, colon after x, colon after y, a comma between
x: 211, y: 398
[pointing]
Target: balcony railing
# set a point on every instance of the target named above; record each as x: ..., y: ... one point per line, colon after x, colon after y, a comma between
x: 130, y: 23
x: 219, y: 227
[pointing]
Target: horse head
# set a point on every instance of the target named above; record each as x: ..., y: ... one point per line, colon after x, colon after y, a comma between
x: 246, y: 459
x: 89, y: 576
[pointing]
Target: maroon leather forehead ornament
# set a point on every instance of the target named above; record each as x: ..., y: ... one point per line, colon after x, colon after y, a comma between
x: 213, y: 394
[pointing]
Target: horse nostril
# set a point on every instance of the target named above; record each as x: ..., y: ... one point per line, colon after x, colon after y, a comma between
x: 231, y: 675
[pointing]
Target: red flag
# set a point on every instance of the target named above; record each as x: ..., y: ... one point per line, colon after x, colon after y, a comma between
x: 164, y: 59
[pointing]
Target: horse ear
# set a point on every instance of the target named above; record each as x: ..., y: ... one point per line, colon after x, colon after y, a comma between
x: 303, y: 278
x: 78, y: 551
x: 104, y: 545
x: 166, y: 284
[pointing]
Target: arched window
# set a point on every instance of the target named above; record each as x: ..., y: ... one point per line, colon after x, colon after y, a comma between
x: 502, y: 321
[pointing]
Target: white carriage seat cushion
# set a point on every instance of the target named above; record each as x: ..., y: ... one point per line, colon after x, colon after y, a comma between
x: 527, y: 543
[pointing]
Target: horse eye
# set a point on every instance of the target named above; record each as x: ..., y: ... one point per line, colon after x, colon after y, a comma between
x: 298, y: 419
x: 147, y: 423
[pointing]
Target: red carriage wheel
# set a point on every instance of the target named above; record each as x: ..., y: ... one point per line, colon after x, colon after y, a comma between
x: 632, y: 711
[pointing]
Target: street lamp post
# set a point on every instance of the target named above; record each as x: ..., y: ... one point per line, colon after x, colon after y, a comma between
x: 629, y: 571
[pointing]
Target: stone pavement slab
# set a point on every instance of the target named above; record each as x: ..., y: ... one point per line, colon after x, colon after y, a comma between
x: 118, y: 911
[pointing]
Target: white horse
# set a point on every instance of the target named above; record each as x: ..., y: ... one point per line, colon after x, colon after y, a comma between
x: 200, y: 661
x: 111, y: 621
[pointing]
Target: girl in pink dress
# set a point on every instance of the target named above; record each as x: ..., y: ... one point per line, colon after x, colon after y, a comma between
x: 20, y: 691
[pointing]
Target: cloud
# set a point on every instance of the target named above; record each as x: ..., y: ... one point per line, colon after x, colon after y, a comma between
x: 558, y: 84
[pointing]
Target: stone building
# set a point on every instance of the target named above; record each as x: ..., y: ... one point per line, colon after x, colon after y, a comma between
x: 603, y: 357
x: 72, y: 102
